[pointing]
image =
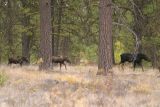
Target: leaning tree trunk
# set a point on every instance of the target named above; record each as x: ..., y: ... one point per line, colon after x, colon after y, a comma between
x: 45, y: 34
x: 105, y: 38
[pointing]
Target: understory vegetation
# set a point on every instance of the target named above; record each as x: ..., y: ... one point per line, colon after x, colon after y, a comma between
x: 79, y: 86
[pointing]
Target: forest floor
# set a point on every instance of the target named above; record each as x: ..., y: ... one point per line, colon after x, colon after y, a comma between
x: 79, y: 86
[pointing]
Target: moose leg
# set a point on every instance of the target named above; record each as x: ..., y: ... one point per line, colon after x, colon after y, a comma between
x: 65, y: 66
x: 122, y: 65
x: 134, y: 66
x: 9, y: 64
x: 142, y: 67
x: 60, y: 66
x: 21, y: 62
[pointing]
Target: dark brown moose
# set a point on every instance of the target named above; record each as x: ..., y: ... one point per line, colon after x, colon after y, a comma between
x: 61, y: 60
x: 18, y: 60
x: 127, y: 57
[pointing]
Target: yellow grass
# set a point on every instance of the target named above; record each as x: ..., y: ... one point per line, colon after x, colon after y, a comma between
x: 79, y: 86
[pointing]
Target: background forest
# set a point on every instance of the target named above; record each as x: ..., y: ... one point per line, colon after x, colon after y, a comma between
x: 75, y: 28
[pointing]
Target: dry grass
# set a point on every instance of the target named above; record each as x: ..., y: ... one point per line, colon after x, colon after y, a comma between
x: 78, y: 86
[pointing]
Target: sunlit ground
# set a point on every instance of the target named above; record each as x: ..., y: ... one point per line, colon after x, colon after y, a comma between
x: 78, y: 86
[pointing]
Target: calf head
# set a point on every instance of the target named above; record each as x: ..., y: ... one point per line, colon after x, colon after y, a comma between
x: 67, y: 60
x: 143, y: 56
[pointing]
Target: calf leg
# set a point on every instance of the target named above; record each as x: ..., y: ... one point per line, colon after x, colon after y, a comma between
x: 65, y: 66
x: 60, y: 66
x: 142, y: 67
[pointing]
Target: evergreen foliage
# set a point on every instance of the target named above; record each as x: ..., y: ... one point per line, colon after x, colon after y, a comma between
x: 79, y: 28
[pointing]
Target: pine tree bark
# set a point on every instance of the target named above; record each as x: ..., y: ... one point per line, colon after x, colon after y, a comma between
x: 105, y: 38
x: 45, y: 34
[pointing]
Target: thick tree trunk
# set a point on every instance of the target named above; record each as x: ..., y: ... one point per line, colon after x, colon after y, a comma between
x: 105, y: 38
x: 45, y: 34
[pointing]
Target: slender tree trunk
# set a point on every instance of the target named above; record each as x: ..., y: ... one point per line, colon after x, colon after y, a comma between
x: 154, y: 61
x: 65, y: 46
x: 45, y: 34
x: 9, y: 32
x: 25, y: 38
x: 59, y: 27
x: 0, y: 53
x: 139, y: 22
x: 67, y: 49
x: 52, y: 15
x: 105, y: 38
x: 113, y: 52
x: 62, y: 46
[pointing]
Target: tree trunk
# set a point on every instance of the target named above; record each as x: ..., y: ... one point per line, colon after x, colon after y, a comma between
x: 59, y: 27
x: 52, y: 16
x: 45, y: 34
x: 64, y: 46
x: 105, y: 38
x: 139, y: 22
x: 113, y: 52
x: 9, y: 31
x: 25, y: 38
x: 67, y: 46
x: 154, y: 57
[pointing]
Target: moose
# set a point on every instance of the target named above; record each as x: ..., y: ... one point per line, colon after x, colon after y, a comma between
x: 127, y: 57
x: 18, y: 60
x: 61, y: 60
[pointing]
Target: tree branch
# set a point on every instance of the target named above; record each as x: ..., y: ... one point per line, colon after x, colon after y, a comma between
x: 136, y: 36
x: 132, y: 2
